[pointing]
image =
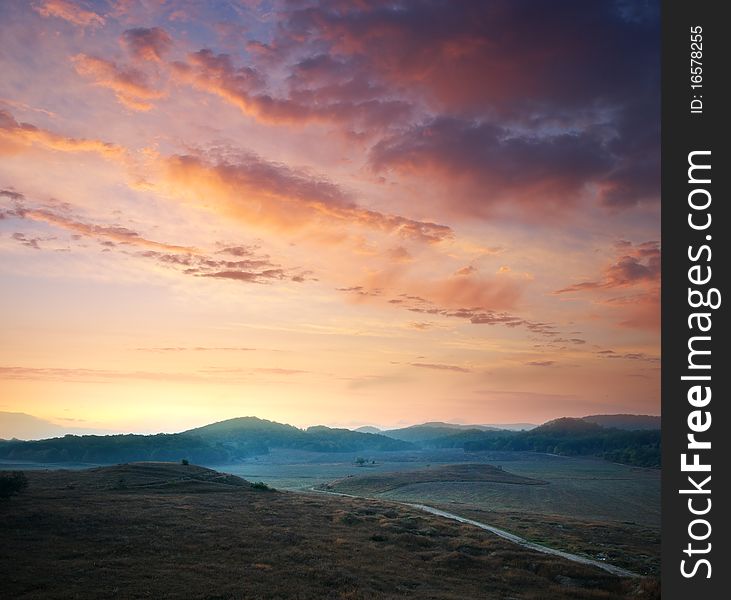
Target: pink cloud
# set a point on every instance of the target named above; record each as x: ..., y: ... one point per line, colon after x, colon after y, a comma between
x: 275, y: 196
x: 147, y: 44
x: 15, y: 136
x: 637, y: 264
x: 69, y: 11
x: 130, y: 86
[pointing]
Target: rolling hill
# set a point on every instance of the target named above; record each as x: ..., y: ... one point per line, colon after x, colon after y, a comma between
x: 433, y: 430
x: 217, y: 443
x: 236, y: 439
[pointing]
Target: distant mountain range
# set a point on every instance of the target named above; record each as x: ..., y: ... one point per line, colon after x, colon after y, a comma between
x: 26, y: 427
x: 621, y: 438
x: 433, y: 429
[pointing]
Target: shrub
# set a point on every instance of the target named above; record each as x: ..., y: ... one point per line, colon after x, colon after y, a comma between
x: 260, y: 485
x: 12, y: 483
x: 185, y: 462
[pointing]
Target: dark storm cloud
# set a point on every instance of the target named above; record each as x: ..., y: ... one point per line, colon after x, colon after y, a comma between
x: 526, y: 100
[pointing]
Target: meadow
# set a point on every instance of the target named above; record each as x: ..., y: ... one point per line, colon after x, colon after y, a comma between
x: 588, y: 506
x: 156, y: 530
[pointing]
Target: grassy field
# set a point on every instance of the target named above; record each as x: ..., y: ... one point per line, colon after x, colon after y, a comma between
x: 465, y: 474
x: 629, y: 545
x: 578, y: 487
x: 591, y: 507
x: 157, y: 530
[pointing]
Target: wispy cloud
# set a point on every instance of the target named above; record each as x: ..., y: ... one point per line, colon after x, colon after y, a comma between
x: 441, y: 367
x: 69, y: 11
x: 129, y: 85
x: 15, y: 136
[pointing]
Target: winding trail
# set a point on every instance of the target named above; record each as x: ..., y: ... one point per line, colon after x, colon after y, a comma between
x: 511, y: 537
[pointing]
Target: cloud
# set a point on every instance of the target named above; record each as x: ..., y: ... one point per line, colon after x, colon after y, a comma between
x: 637, y: 264
x: 491, y: 297
x: 244, y: 87
x: 197, y: 349
x: 469, y: 292
x: 276, y: 196
x: 635, y: 271
x: 89, y: 375
x: 129, y: 85
x: 249, y: 265
x: 540, y: 363
x: 488, y: 165
x: 440, y: 367
x: 26, y: 241
x: 468, y: 270
x: 248, y: 276
x: 115, y: 233
x: 69, y: 11
x: 12, y: 195
x: 278, y: 371
x: 257, y: 268
x: 473, y: 57
x: 421, y: 325
x: 66, y: 374
x: 147, y: 44
x: 15, y: 136
x: 399, y: 254
x: 579, y: 104
x: 640, y: 356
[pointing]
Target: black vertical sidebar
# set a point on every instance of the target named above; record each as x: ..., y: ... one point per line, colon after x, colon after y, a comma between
x: 695, y: 120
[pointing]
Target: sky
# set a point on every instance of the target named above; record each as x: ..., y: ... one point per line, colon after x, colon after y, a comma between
x: 338, y: 213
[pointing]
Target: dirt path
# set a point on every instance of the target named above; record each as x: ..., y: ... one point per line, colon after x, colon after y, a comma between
x: 614, y: 570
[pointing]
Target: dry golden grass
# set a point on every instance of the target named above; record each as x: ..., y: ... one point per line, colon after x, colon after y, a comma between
x: 172, y: 531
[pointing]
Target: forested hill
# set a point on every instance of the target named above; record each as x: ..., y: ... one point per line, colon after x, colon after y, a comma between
x: 218, y: 443
x: 236, y: 439
x: 576, y: 437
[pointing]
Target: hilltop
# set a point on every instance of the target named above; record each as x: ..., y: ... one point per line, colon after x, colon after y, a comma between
x: 175, y: 531
x: 630, y: 422
x: 432, y: 430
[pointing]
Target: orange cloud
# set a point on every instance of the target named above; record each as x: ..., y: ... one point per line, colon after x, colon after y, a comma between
x: 115, y: 233
x: 129, y: 85
x: 237, y: 263
x: 471, y: 292
x: 274, y: 196
x: 440, y: 367
x: 68, y: 11
x: 637, y: 265
x: 636, y: 269
x: 15, y: 135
